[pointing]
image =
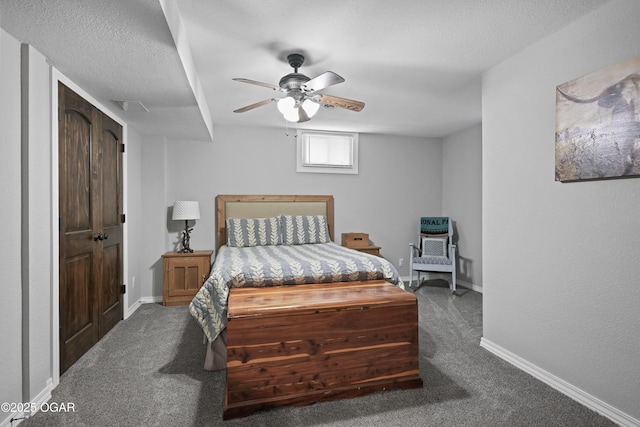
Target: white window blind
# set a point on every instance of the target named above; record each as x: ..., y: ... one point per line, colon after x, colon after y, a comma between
x: 327, y: 152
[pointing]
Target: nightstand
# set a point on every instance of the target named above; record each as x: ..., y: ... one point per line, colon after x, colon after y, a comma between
x: 359, y: 242
x: 184, y: 274
x: 373, y: 250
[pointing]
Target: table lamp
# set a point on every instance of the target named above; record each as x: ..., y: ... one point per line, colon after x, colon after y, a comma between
x: 186, y: 210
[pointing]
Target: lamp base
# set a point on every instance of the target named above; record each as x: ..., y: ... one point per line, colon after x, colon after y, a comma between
x: 186, y: 236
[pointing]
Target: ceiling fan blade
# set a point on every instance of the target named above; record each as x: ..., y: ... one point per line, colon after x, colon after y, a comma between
x: 252, y: 106
x: 253, y: 82
x: 335, y: 101
x: 324, y: 80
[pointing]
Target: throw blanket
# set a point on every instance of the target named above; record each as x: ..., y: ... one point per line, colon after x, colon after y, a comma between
x: 280, y: 265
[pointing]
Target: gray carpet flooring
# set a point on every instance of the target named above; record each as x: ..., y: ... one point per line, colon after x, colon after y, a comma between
x: 148, y: 372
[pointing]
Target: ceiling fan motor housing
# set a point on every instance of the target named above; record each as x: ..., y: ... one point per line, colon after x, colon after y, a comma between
x: 293, y: 81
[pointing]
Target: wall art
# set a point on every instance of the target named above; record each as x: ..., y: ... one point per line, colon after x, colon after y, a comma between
x: 598, y: 124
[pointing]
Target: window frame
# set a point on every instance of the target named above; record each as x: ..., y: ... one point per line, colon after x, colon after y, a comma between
x: 303, y: 137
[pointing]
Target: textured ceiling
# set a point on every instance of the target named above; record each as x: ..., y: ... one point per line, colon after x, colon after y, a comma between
x: 415, y: 63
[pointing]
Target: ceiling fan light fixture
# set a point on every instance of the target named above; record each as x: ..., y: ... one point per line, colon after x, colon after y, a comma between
x: 289, y: 108
x: 286, y: 104
x: 310, y: 107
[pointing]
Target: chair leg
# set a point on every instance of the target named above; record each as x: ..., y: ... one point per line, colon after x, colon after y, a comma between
x: 453, y: 281
x: 418, y: 284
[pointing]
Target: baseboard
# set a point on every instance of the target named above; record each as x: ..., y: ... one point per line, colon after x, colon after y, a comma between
x: 445, y: 276
x: 137, y: 304
x: 149, y: 300
x: 562, y: 386
x: 132, y: 309
x: 466, y: 285
x: 36, y: 404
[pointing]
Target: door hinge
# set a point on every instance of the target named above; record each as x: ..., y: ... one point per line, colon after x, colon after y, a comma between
x: 123, y: 289
x: 59, y: 114
x: 122, y: 148
x: 122, y: 218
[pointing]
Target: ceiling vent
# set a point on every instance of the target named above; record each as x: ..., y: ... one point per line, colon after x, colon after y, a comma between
x: 132, y: 106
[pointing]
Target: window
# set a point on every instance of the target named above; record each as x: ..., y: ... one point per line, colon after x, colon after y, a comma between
x: 327, y: 152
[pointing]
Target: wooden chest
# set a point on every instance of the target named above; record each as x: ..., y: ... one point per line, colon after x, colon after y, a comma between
x: 296, y: 345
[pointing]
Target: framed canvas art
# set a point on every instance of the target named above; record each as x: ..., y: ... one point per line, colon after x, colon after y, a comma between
x: 598, y: 124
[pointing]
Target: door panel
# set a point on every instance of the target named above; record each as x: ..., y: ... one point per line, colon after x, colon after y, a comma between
x: 80, y: 329
x: 110, y: 298
x: 110, y: 147
x: 76, y: 171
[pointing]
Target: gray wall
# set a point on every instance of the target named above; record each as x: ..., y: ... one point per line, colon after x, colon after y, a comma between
x: 462, y: 200
x: 133, y: 208
x: 561, y: 268
x: 400, y: 179
x: 37, y: 221
x: 10, y: 194
x: 26, y: 366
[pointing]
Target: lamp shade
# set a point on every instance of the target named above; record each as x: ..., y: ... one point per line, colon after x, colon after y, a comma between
x: 186, y: 210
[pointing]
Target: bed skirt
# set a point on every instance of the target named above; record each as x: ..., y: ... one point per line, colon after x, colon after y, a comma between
x: 216, y: 357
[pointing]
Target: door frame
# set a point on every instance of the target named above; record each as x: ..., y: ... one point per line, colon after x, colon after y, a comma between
x: 57, y: 76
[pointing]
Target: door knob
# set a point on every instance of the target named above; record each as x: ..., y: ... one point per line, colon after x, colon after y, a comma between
x: 100, y: 236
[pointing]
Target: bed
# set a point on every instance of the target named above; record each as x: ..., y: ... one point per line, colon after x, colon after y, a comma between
x: 295, y: 318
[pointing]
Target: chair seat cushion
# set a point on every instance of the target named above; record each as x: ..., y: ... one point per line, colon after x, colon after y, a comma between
x: 439, y: 260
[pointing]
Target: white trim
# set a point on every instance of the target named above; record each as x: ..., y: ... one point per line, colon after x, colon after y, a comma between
x: 172, y: 15
x: 55, y: 234
x: 144, y: 300
x: 150, y: 300
x: 463, y: 284
x: 562, y: 386
x: 302, y: 141
x: 459, y: 283
x: 12, y: 416
x: 57, y: 76
x: 37, y: 402
x: 133, y: 309
x: 125, y: 227
x: 42, y: 397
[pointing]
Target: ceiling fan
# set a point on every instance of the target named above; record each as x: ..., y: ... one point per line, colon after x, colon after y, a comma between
x: 302, y: 99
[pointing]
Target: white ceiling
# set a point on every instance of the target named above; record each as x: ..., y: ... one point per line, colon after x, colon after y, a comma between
x: 415, y: 63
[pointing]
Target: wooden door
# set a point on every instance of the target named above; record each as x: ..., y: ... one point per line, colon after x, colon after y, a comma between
x: 90, y: 181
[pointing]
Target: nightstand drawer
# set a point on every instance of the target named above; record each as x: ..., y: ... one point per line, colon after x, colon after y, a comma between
x: 373, y: 250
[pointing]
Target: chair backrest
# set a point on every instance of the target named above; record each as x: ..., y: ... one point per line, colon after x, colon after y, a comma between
x: 435, y: 233
x: 435, y: 225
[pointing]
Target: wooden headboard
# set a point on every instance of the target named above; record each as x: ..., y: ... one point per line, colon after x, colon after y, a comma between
x: 260, y: 206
